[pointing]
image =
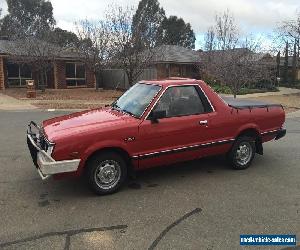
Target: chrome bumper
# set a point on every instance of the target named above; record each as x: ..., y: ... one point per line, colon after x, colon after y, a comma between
x: 45, y: 164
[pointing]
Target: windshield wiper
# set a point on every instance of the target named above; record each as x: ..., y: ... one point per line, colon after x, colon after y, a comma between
x: 115, y: 106
x: 129, y: 113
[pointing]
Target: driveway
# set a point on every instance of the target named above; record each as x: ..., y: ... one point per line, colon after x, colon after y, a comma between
x: 10, y: 103
x: 196, y: 205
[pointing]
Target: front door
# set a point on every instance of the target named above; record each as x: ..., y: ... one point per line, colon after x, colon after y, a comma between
x: 178, y: 136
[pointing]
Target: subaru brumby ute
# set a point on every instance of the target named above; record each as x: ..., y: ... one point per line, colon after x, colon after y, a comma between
x: 154, y: 123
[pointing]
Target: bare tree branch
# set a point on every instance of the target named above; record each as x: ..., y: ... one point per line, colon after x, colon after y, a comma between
x: 94, y: 45
x: 232, y: 61
x: 130, y: 54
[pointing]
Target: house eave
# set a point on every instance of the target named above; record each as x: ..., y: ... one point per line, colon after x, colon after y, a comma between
x: 10, y: 56
x: 175, y: 62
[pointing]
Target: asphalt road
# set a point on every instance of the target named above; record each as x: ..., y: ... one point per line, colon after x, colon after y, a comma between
x: 197, y: 205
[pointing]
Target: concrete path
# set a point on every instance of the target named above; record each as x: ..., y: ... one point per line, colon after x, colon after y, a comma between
x: 295, y: 114
x: 10, y: 103
x: 282, y: 91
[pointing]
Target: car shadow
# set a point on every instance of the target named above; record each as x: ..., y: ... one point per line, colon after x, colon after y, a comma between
x: 76, y: 188
x: 203, y: 167
x: 185, y: 169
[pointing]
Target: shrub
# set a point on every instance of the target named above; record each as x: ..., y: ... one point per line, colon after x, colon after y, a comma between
x: 223, y: 89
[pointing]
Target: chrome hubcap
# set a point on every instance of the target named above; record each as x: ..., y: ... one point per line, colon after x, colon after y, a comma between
x: 244, y: 153
x: 108, y: 174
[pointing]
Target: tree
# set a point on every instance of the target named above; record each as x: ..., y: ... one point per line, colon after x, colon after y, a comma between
x: 209, y: 40
x: 288, y: 32
x: 278, y: 64
x: 294, y: 63
x: 224, y: 34
x: 237, y: 68
x: 177, y: 32
x: 1, y: 20
x: 94, y: 44
x: 291, y: 27
x: 147, y: 22
x: 129, y: 53
x: 27, y: 18
x: 286, y: 63
x: 231, y: 60
x: 226, y: 30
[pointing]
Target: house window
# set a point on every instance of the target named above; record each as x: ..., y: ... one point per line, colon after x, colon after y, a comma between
x: 75, y: 74
x: 17, y: 74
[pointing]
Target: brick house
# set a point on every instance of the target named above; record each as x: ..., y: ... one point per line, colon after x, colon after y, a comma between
x: 168, y: 61
x: 176, y: 61
x: 68, y: 70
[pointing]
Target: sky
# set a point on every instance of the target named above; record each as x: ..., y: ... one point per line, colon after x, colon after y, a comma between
x: 256, y: 17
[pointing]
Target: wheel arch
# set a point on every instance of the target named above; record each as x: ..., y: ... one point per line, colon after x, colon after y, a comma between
x: 254, y: 133
x: 118, y: 150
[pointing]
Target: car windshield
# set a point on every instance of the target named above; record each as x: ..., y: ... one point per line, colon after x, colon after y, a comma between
x: 135, y: 100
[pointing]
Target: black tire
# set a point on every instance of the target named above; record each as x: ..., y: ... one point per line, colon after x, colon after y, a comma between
x: 235, y: 157
x: 104, y: 167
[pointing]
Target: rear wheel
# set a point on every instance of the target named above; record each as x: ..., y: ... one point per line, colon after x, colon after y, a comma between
x: 242, y: 152
x: 107, y: 171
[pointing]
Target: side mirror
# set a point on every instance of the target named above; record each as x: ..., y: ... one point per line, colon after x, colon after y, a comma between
x: 158, y: 114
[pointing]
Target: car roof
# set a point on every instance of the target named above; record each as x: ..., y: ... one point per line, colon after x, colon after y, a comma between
x: 171, y: 81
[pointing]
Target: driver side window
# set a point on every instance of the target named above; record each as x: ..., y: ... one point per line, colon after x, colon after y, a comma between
x: 180, y: 101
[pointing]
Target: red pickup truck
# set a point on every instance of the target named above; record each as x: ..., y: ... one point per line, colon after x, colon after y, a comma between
x: 154, y: 123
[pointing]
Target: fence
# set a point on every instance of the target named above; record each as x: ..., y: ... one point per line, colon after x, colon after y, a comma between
x: 117, y: 78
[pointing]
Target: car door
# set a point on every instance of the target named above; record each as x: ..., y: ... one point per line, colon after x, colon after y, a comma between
x: 178, y: 136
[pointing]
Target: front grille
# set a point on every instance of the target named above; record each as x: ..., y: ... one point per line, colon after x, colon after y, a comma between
x: 43, y: 143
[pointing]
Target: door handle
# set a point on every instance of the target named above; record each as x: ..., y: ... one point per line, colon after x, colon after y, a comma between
x: 203, y: 123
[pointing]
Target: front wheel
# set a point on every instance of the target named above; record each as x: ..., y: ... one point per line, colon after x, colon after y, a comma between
x: 242, y: 153
x: 107, y: 171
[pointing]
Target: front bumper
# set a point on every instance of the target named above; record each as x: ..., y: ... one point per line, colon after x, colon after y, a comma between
x: 45, y: 164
